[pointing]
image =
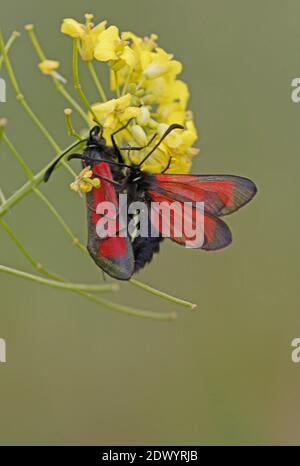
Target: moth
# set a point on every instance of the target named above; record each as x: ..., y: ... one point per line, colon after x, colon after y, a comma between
x: 123, y: 255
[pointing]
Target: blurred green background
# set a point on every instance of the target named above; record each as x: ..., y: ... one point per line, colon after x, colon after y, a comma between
x: 79, y: 374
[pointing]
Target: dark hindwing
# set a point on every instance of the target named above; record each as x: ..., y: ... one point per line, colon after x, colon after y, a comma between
x: 143, y: 250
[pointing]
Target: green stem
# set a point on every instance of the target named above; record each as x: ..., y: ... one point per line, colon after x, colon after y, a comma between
x: 8, y: 45
x: 17, y: 156
x: 26, y: 188
x: 59, y: 86
x: 57, y: 284
x: 2, y: 197
x: 96, y: 80
x: 70, y: 129
x: 76, y: 80
x: 161, y: 294
x: 133, y: 312
x: 124, y: 90
x: 20, y: 246
x: 81, y: 289
x: 60, y: 219
x: 21, y: 99
x: 117, y: 84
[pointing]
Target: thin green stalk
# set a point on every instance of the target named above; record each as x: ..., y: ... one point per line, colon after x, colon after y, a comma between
x: 41, y: 196
x: 161, y: 294
x: 27, y: 187
x: 34, y: 40
x: 117, y: 84
x: 54, y: 283
x: 59, y: 86
x: 60, y: 219
x: 76, y: 80
x: 35, y: 264
x: 21, y: 99
x: 3, y: 124
x: 17, y: 156
x: 70, y: 129
x: 8, y: 45
x: 80, y: 290
x: 167, y: 316
x: 96, y: 80
x: 2, y: 197
x: 124, y: 90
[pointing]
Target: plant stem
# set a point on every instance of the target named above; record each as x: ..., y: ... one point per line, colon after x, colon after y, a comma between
x: 70, y: 129
x: 76, y: 80
x: 8, y: 45
x: 21, y: 99
x: 133, y: 312
x: 161, y: 294
x: 26, y: 188
x: 96, y: 80
x: 124, y: 90
x: 117, y: 84
x: 17, y: 156
x: 59, y: 86
x: 57, y: 284
x: 60, y: 219
x: 2, y: 197
x: 80, y: 289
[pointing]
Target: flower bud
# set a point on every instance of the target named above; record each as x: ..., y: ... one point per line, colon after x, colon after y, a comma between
x: 48, y: 66
x: 144, y: 116
x: 139, y: 135
x: 155, y: 70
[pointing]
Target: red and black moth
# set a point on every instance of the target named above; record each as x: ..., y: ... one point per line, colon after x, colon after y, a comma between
x: 120, y: 256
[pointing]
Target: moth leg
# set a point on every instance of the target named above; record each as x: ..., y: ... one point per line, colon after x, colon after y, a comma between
x: 114, y: 142
x: 168, y: 166
x: 139, y: 147
x: 107, y: 179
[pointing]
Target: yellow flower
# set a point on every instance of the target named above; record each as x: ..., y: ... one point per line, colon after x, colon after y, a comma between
x: 177, y: 142
x: 110, y: 47
x: 162, y: 63
x: 139, y: 135
x: 115, y: 111
x: 144, y: 116
x: 177, y: 146
x: 146, y: 77
x: 84, y: 183
x: 87, y: 33
x: 48, y: 66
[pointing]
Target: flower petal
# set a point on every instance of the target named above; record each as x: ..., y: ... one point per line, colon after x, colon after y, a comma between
x: 105, y: 49
x: 72, y: 28
x: 48, y: 66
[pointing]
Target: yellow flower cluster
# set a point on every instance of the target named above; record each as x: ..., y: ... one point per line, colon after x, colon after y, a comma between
x: 84, y: 183
x: 147, y: 92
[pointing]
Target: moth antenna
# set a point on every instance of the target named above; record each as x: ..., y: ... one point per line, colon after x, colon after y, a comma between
x: 168, y: 131
x: 52, y: 167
